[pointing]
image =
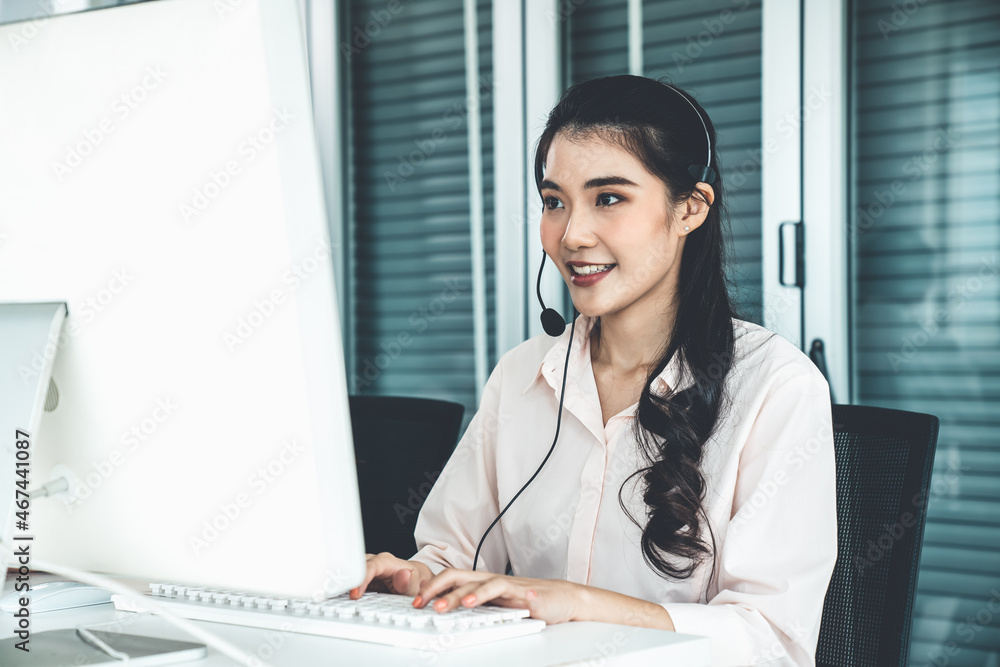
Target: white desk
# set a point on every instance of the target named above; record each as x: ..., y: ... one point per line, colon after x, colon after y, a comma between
x: 584, y: 644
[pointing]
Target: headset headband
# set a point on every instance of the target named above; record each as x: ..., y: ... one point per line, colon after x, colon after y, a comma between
x: 701, y: 172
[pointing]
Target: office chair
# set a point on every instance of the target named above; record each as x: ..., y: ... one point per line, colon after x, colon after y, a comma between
x: 400, y: 446
x: 884, y: 460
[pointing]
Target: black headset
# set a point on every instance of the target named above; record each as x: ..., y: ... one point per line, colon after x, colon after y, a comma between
x: 555, y: 325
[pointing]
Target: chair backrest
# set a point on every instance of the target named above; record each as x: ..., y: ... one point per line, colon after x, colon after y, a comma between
x: 884, y: 460
x: 400, y: 445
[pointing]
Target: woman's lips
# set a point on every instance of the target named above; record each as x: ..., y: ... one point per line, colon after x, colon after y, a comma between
x: 592, y: 279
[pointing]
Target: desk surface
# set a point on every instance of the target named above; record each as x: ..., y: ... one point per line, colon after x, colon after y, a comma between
x: 564, y: 644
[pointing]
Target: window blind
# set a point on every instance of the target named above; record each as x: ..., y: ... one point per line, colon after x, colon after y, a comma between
x: 926, y: 232
x: 412, y: 310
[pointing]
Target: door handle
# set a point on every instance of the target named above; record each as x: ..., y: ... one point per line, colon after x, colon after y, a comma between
x: 791, y: 254
x: 818, y: 355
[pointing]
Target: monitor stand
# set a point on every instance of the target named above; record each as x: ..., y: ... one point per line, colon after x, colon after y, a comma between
x: 30, y: 335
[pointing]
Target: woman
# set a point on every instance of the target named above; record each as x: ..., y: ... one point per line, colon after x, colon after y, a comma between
x: 693, y: 485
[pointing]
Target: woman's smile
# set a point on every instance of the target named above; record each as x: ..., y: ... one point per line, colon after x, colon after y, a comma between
x: 584, y: 274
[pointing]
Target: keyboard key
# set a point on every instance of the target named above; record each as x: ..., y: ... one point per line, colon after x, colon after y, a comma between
x: 376, y: 617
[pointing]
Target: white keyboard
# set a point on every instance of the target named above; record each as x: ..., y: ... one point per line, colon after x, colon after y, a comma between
x: 376, y: 617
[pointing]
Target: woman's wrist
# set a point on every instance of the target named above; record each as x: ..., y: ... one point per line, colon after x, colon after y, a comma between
x: 598, y: 604
x: 583, y: 602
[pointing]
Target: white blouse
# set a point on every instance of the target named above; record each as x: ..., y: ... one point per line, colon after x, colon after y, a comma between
x: 770, y: 493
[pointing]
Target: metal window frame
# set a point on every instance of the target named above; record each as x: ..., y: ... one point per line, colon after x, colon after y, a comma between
x: 476, y: 222
x: 542, y: 86
x: 825, y: 207
x: 804, y: 177
x: 509, y: 221
x: 635, y: 37
x: 524, y: 33
x: 781, y: 159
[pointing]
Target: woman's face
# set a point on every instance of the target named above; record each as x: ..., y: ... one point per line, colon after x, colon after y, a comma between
x: 606, y: 225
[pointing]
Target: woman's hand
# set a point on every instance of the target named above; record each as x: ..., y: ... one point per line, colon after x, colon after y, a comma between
x: 388, y: 574
x: 551, y: 600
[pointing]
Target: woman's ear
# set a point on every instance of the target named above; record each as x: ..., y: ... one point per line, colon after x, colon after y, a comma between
x: 695, y: 208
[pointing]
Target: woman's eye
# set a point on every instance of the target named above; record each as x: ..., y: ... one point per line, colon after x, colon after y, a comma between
x: 552, y: 202
x: 601, y: 198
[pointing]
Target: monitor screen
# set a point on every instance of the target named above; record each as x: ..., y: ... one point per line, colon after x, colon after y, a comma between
x: 159, y: 174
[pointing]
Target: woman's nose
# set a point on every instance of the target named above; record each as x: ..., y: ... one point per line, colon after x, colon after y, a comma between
x: 578, y: 233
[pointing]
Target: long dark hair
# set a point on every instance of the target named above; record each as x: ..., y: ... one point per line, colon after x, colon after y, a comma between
x: 651, y: 121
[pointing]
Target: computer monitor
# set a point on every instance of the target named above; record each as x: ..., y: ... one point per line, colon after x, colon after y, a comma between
x: 159, y: 174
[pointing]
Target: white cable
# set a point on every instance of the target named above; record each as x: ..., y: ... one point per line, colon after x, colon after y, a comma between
x: 107, y: 583
x: 95, y: 641
x: 60, y: 485
x: 103, y: 624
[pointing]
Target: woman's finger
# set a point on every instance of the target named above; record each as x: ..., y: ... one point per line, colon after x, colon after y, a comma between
x: 453, y: 599
x: 379, y: 566
x: 401, y: 581
x: 503, y: 591
x: 445, y: 581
